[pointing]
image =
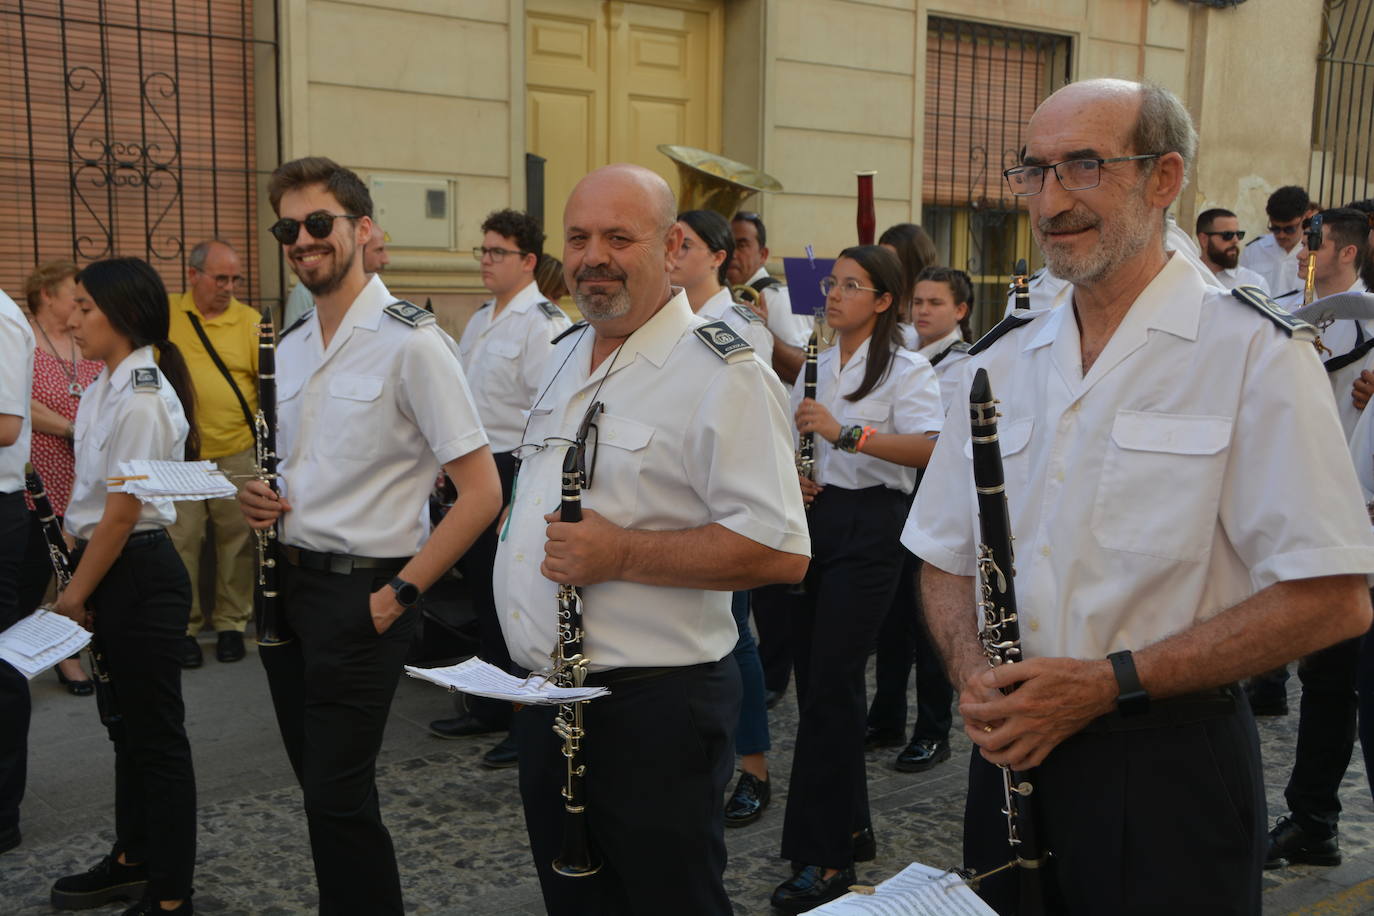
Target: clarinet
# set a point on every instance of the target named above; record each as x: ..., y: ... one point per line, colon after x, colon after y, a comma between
x: 105, y: 703
x: 267, y: 616
x: 806, y: 442
x: 1001, y: 633
x: 1020, y: 285
x: 576, y: 859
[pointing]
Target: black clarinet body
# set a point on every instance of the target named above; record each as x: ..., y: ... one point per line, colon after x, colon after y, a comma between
x: 1020, y: 283
x: 271, y: 626
x: 576, y: 858
x: 107, y: 706
x: 1001, y: 632
x: 806, y: 442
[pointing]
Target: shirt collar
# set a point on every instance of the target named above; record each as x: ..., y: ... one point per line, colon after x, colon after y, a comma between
x: 858, y: 359
x: 524, y: 300
x: 123, y: 374
x: 654, y: 339
x: 939, y: 346
x: 758, y: 275
x: 716, y: 306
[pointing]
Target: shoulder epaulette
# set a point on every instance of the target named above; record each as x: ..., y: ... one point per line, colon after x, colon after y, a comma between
x: 147, y: 379
x: 1254, y: 297
x: 1007, y: 324
x: 550, y: 310
x: 959, y: 346
x: 577, y: 326
x: 295, y: 324
x: 747, y: 313
x: 408, y: 313
x: 722, y: 340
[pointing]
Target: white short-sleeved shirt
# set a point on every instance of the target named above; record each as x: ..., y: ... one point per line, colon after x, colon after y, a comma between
x: 790, y: 329
x: 743, y: 320
x: 128, y: 412
x: 363, y: 427
x: 1240, y: 275
x: 905, y: 401
x: 16, y: 381
x: 945, y: 355
x: 1278, y: 267
x: 1148, y: 495
x: 1362, y: 452
x: 503, y: 358
x: 687, y: 439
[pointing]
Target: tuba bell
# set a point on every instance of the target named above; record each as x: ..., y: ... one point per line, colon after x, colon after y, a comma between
x: 710, y: 182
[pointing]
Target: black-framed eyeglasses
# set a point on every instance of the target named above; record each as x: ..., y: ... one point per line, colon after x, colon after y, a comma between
x: 319, y: 224
x: 1228, y: 234
x: 497, y: 254
x: 1073, y: 174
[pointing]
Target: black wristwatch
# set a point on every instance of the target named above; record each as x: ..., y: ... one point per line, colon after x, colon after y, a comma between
x: 407, y: 593
x: 1131, y: 698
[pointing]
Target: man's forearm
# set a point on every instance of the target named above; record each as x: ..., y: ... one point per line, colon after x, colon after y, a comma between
x: 478, y: 502
x: 787, y: 360
x: 947, y: 601
x: 710, y: 557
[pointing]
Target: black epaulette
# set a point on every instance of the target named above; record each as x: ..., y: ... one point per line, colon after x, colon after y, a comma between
x: 295, y: 324
x: 408, y: 313
x: 550, y: 310
x: 722, y: 339
x: 147, y: 378
x: 1007, y: 324
x: 1254, y: 297
x: 747, y: 313
x: 959, y: 346
x: 576, y: 326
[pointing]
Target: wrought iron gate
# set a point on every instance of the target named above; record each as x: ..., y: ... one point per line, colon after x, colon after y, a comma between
x: 131, y: 127
x: 1343, y: 119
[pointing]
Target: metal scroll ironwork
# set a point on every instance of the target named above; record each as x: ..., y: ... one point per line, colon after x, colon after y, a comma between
x: 1343, y: 117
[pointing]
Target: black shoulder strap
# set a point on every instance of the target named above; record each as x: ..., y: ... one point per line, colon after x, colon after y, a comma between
x: 763, y: 283
x: 577, y: 326
x: 224, y: 370
x: 1009, y: 323
x: 958, y: 346
x: 295, y: 324
x: 1254, y: 297
x: 1354, y: 356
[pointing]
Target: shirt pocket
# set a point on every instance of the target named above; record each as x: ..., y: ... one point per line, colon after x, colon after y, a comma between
x: 1012, y: 438
x: 350, y: 426
x: 1161, y: 484
x: 622, y: 446
x: 867, y: 412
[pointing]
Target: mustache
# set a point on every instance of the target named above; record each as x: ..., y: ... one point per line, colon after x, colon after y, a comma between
x: 302, y: 250
x: 598, y: 273
x: 1068, y: 222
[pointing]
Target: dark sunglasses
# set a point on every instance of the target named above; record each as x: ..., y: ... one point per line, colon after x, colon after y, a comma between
x: 1284, y: 230
x: 1229, y: 234
x: 319, y: 224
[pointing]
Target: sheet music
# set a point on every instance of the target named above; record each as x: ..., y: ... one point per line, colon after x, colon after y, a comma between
x: 180, y: 480
x: 41, y: 640
x: 476, y: 677
x: 917, y: 890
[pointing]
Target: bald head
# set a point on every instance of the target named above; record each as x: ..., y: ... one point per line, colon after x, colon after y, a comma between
x: 213, y: 274
x: 375, y: 258
x: 622, y: 179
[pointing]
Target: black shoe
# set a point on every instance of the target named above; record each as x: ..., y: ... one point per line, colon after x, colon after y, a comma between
x: 146, y: 907
x: 771, y: 697
x: 883, y: 737
x: 465, y: 726
x: 503, y: 756
x: 189, y: 654
x: 9, y: 839
x: 749, y: 800
x: 807, y: 890
x: 229, y: 646
x: 75, y: 688
x: 922, y: 754
x: 1289, y: 840
x: 865, y: 845
x: 106, y: 881
x: 1267, y: 706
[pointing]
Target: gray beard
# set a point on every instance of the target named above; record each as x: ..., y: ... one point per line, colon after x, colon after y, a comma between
x: 1121, y: 238
x: 601, y: 307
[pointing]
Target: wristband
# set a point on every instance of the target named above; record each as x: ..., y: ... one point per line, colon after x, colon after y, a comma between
x: 868, y: 431
x: 1131, y: 698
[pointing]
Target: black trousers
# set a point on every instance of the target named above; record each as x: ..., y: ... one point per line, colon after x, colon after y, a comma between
x: 141, y: 608
x: 477, y: 565
x: 1326, y: 736
x: 1365, y: 684
x: 659, y: 753
x: 15, y: 706
x: 1168, y: 819
x: 332, y: 689
x: 36, y: 572
x: 773, y: 606
x: 903, y: 638
x: 849, y: 586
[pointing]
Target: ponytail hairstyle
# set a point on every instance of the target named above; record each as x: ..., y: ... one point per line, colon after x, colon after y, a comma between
x: 885, y: 271
x: 960, y: 288
x: 716, y: 233
x: 134, y: 301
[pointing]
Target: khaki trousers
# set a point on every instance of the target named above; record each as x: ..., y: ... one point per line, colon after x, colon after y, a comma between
x: 235, y: 554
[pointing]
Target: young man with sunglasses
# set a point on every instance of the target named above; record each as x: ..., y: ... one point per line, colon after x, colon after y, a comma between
x: 503, y: 350
x: 375, y: 260
x: 1275, y: 256
x: 1218, y: 237
x: 371, y: 402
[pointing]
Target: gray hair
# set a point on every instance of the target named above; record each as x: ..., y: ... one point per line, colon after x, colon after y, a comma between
x: 1164, y: 126
x: 202, y: 251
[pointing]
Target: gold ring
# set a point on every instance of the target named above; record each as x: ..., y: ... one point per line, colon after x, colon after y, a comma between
x: 987, y: 728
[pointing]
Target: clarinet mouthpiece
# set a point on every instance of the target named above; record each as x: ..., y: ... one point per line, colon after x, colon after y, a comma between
x: 981, y: 390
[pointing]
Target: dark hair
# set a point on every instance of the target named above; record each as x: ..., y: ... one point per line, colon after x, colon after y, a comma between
x: 1206, y: 218
x: 1287, y: 204
x: 749, y: 216
x: 915, y: 252
x: 343, y: 183
x: 131, y: 295
x: 715, y: 232
x: 1348, y: 226
x: 885, y: 272
x: 548, y: 276
x: 46, y: 277
x: 960, y: 288
x: 1366, y: 206
x: 522, y: 227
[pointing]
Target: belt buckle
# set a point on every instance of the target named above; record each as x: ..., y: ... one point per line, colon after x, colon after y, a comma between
x: 340, y: 566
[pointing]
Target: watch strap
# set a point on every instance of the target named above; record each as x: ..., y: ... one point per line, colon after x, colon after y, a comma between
x: 407, y: 593
x: 1131, y: 698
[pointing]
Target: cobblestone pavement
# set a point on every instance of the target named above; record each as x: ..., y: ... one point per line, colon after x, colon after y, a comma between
x: 457, y: 827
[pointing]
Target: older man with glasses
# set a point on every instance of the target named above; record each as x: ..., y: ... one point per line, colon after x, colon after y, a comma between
x: 1275, y: 256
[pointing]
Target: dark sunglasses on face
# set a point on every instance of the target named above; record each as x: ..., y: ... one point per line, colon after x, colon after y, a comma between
x: 1229, y: 234
x: 319, y: 224
x: 1284, y: 230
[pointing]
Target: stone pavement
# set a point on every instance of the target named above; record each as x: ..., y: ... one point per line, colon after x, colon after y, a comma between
x: 457, y: 827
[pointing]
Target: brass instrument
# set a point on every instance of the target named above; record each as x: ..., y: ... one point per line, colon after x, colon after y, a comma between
x: 1313, y: 242
x: 710, y: 182
x: 751, y: 298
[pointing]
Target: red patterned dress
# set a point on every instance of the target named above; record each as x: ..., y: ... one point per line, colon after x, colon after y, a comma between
x: 52, y: 455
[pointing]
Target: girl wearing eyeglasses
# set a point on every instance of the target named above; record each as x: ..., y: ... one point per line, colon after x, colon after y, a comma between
x: 131, y: 588
x: 876, y: 413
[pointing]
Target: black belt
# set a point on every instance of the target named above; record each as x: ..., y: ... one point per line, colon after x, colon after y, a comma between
x: 1187, y: 709
x: 615, y: 676
x: 341, y: 564
x: 137, y: 539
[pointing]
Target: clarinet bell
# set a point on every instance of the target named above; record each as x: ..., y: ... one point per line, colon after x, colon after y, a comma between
x: 576, y: 859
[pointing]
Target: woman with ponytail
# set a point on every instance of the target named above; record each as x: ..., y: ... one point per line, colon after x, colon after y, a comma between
x: 130, y: 587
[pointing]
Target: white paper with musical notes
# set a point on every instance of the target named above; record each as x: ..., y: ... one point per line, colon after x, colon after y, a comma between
x: 476, y: 677
x: 41, y: 640
x: 917, y: 890
x: 180, y: 480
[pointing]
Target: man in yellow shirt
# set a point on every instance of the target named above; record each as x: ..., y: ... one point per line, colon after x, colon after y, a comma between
x: 218, y: 335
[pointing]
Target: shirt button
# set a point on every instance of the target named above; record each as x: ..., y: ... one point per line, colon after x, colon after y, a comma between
x: 1034, y: 624
x: 514, y: 615
x: 1045, y: 550
x: 582, y: 395
x: 519, y: 558
x: 1059, y: 476
x: 1076, y: 405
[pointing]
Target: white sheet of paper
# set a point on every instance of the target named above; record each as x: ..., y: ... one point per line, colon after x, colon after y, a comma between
x: 476, y: 677
x: 58, y: 636
x: 917, y: 890
x: 179, y: 480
